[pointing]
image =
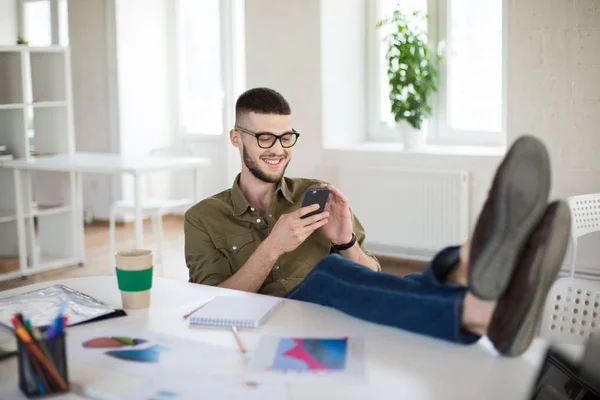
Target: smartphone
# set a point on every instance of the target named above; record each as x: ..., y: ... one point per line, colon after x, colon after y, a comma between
x: 315, y: 196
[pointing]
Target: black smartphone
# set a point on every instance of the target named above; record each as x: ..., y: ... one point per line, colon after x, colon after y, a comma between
x: 315, y: 196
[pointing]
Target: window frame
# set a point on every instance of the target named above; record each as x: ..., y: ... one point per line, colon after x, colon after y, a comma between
x: 439, y: 133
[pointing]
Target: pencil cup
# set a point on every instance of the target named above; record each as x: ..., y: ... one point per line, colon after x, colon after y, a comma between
x: 38, y: 378
x: 134, y: 276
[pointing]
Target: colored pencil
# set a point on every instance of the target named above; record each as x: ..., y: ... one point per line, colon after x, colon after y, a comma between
x: 238, y: 340
x: 37, y: 354
x: 186, y: 316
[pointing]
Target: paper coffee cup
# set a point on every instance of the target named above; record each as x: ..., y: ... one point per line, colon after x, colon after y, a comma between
x: 134, y: 276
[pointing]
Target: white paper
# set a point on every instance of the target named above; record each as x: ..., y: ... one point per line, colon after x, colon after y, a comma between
x: 182, y: 369
x: 167, y: 356
x: 307, y: 358
x: 216, y: 389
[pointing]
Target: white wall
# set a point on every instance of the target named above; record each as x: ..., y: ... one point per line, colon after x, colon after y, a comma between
x: 92, y: 54
x: 554, y: 93
x: 283, y: 52
x: 8, y: 22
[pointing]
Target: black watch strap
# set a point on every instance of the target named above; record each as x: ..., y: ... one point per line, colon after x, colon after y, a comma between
x: 341, y: 247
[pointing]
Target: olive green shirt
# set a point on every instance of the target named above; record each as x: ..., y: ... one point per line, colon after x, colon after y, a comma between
x: 222, y: 232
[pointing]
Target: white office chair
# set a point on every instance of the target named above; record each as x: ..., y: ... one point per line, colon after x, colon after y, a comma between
x: 572, y: 309
x: 152, y: 205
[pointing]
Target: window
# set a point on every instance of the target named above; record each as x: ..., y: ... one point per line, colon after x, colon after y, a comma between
x: 468, y: 107
x: 200, y: 78
x: 44, y: 22
x: 37, y: 23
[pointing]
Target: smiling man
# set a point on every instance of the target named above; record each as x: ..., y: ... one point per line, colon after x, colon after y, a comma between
x: 252, y: 237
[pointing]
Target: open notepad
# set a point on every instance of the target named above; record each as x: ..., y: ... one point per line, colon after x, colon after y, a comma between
x: 242, y: 312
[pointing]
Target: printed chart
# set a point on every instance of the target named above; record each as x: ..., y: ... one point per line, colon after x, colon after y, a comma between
x: 310, y: 354
x: 308, y: 358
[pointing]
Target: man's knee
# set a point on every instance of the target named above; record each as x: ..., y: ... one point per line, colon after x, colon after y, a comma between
x: 334, y: 263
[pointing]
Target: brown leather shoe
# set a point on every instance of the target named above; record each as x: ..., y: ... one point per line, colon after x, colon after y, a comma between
x: 516, y: 201
x: 519, y: 309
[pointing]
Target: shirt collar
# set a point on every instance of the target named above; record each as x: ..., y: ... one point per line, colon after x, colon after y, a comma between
x: 240, y: 204
x: 285, y: 190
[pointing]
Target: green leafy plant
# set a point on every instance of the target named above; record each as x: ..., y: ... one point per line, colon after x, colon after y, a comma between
x: 22, y: 41
x: 412, y: 68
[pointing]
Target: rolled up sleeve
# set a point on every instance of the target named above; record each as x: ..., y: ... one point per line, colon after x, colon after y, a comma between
x: 359, y: 231
x: 206, y: 264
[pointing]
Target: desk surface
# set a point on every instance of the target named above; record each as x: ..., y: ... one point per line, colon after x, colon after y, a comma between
x: 399, y: 365
x: 106, y: 163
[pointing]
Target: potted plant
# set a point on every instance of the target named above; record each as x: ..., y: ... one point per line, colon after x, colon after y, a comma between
x: 21, y: 41
x: 412, y: 70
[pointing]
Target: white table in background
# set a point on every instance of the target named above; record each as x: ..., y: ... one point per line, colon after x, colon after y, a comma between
x: 103, y: 163
x: 399, y: 365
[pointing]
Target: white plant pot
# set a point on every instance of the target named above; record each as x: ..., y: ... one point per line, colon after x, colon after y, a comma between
x: 414, y: 139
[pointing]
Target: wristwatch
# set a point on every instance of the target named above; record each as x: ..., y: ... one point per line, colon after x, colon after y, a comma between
x: 341, y: 247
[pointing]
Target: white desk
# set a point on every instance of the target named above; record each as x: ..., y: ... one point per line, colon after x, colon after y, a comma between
x: 101, y: 163
x: 399, y: 365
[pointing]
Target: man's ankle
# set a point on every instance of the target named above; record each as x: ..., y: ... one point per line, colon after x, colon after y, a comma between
x: 458, y: 275
x: 476, y: 314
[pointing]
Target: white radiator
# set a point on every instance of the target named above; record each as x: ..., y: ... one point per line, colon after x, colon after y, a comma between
x: 408, y: 212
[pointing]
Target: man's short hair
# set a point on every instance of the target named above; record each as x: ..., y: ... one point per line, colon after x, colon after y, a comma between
x: 261, y: 101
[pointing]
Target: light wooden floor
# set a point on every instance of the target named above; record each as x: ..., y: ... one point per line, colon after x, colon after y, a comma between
x: 97, y: 257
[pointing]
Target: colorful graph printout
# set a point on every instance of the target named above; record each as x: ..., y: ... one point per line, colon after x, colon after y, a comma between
x: 306, y: 358
x: 310, y: 354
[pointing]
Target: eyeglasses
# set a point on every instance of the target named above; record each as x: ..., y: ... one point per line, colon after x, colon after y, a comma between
x: 266, y: 140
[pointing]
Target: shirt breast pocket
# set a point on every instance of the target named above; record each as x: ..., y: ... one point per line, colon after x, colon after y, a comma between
x: 237, y: 248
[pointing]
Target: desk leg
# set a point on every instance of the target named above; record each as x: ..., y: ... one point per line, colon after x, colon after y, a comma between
x: 20, y: 223
x: 137, y: 198
x: 79, y: 217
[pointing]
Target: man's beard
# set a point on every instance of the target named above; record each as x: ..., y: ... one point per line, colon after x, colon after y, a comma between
x: 257, y: 172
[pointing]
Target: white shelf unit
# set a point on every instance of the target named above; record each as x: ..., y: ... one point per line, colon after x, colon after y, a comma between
x: 36, y: 117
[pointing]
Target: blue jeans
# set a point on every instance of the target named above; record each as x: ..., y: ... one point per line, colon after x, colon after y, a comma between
x: 421, y: 303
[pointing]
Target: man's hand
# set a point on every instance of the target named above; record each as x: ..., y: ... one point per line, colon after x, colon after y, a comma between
x: 290, y: 230
x: 339, y: 228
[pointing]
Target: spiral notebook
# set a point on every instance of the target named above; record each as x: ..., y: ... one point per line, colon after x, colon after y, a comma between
x: 242, y: 312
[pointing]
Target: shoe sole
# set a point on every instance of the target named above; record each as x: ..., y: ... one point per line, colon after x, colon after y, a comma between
x: 521, y: 198
x: 543, y: 273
